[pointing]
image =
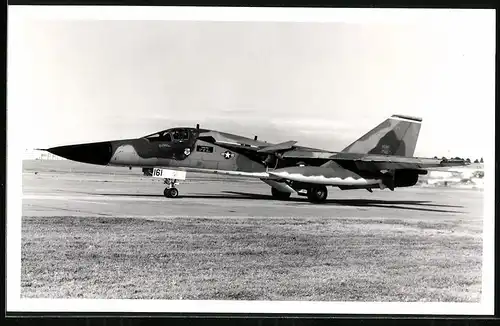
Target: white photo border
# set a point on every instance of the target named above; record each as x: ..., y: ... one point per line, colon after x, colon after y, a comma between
x: 14, y: 169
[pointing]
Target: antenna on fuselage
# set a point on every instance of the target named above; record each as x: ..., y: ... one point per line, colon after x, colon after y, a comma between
x: 197, y: 126
x: 254, y: 137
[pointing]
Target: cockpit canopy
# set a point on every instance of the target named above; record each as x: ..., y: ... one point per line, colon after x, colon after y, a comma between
x: 170, y: 135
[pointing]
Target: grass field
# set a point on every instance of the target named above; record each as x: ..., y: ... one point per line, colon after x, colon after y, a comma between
x: 253, y: 259
x: 108, y: 232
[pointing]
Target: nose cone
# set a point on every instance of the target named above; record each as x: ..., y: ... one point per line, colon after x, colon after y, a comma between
x: 92, y: 153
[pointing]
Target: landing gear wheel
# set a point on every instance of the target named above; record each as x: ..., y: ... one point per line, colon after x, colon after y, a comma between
x: 280, y: 194
x: 171, y: 192
x: 317, y: 194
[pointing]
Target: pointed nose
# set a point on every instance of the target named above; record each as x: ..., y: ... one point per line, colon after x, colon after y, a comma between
x: 92, y: 153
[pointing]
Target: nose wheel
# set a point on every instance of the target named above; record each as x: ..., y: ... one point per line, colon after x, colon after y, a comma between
x: 170, y: 191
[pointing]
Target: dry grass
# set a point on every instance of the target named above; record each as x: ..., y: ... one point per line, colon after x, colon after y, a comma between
x: 251, y: 259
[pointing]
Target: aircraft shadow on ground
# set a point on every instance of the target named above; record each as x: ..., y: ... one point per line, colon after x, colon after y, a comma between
x: 422, y: 205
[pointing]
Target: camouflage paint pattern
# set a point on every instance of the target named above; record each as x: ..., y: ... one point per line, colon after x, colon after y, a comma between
x: 395, y: 136
x: 329, y: 170
x: 150, y: 151
x: 389, y: 146
x: 330, y: 173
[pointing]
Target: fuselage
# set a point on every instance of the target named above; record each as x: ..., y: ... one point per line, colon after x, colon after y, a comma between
x: 213, y: 151
x: 199, y: 155
x: 381, y: 158
x: 194, y: 149
x: 176, y: 147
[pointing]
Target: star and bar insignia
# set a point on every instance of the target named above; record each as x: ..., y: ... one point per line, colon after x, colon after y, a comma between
x: 227, y: 155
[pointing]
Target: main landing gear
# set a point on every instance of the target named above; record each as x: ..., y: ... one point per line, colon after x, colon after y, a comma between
x: 281, y: 195
x: 170, y: 191
x: 316, y: 194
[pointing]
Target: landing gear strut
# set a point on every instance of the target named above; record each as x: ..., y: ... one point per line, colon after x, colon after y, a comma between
x: 170, y: 191
x: 280, y: 194
x: 317, y: 194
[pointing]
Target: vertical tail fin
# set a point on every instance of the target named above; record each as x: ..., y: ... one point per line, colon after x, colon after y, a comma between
x: 395, y: 136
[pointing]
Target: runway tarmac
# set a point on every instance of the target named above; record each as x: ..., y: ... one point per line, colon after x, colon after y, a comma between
x: 227, y: 238
x: 129, y: 194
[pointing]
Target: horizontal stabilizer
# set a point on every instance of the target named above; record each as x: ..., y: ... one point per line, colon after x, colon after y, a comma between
x: 390, y: 162
x: 278, y: 147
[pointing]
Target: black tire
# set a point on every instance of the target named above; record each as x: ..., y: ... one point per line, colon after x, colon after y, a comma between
x: 280, y: 194
x: 174, y: 193
x: 317, y: 194
x: 171, y: 192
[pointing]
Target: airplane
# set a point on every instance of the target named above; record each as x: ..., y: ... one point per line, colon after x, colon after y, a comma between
x: 380, y: 159
x: 470, y: 175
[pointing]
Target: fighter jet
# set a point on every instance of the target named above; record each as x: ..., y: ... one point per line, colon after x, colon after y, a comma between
x: 380, y: 159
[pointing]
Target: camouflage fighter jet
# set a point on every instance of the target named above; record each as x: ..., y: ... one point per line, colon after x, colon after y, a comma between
x: 382, y: 158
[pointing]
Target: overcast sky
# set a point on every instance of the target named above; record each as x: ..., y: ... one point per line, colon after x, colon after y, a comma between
x: 322, y: 84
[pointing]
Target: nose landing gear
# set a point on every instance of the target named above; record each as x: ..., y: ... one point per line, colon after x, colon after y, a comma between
x: 170, y: 191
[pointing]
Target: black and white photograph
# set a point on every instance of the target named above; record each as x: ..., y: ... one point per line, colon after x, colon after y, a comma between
x: 250, y: 160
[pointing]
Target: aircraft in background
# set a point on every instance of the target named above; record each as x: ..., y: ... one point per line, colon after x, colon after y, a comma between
x: 456, y: 175
x: 382, y: 158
